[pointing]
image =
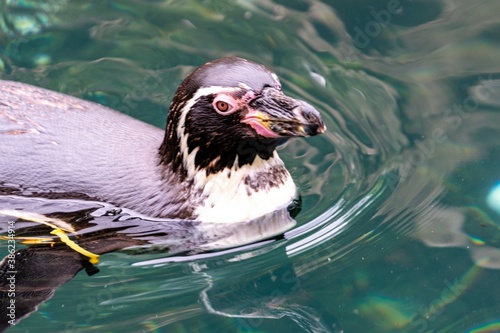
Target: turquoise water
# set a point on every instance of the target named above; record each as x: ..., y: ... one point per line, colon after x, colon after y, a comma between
x: 399, y: 230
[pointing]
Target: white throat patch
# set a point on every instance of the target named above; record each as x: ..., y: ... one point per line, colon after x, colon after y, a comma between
x: 231, y: 196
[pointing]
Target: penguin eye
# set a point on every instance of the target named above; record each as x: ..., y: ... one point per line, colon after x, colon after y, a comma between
x: 224, y: 105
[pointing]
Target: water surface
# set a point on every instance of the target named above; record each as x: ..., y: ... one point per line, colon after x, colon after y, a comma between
x: 399, y: 230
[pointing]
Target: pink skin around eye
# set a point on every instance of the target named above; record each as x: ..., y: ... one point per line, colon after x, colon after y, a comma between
x: 234, y: 104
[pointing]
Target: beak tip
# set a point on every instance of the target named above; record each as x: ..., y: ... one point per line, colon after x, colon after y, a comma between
x: 316, y: 125
x: 312, y: 118
x: 315, y: 129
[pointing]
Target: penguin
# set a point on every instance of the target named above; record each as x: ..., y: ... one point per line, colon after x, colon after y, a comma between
x: 215, y: 162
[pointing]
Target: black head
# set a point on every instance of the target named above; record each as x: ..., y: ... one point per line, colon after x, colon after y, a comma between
x: 232, y: 110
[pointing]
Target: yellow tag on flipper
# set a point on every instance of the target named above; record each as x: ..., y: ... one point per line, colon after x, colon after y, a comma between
x: 93, y: 258
x: 59, y: 227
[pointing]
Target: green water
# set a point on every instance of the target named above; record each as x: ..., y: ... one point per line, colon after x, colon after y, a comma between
x: 399, y: 231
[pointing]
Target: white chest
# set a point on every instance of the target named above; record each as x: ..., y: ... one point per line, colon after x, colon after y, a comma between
x: 244, y: 193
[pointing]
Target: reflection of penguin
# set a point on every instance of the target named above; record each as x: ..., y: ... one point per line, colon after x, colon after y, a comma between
x: 100, y: 228
x: 217, y: 162
x: 264, y: 291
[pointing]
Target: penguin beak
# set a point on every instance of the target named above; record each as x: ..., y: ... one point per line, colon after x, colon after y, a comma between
x: 273, y: 115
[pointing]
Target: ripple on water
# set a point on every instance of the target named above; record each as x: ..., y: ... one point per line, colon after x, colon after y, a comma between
x: 397, y: 213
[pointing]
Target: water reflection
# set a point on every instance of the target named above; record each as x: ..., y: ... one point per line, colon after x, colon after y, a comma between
x: 398, y: 232
x: 46, y: 263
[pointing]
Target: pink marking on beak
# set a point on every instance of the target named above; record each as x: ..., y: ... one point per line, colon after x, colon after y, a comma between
x: 256, y: 122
